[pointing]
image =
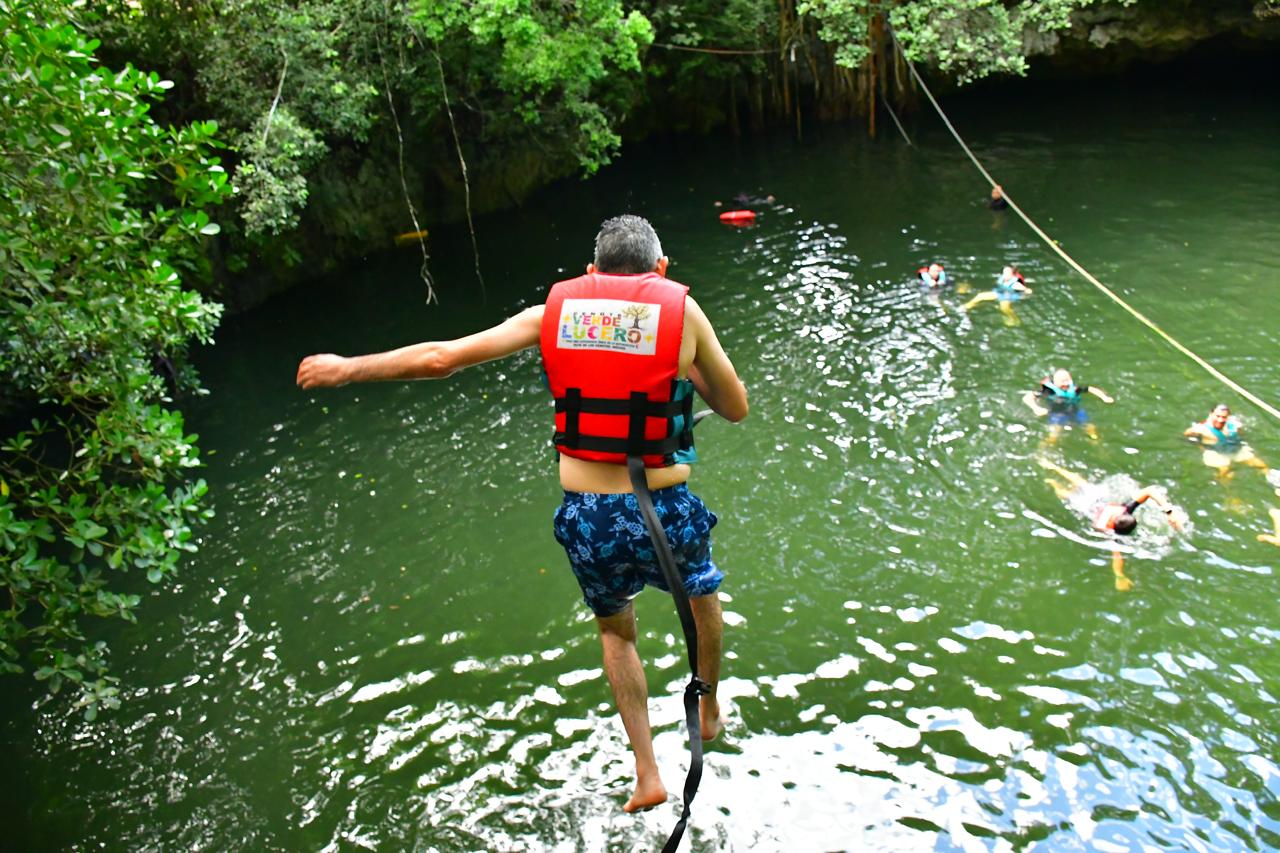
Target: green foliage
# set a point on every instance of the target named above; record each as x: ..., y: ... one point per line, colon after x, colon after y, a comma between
x: 521, y: 73
x: 271, y: 175
x: 966, y: 39
x: 319, y: 57
x: 844, y: 23
x: 550, y: 62
x: 100, y: 210
x: 733, y: 24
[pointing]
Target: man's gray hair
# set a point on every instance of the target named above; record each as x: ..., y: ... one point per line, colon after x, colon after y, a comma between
x: 627, y: 245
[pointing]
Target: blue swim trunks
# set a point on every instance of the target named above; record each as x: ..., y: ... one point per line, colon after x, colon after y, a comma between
x: 1068, y: 416
x: 610, y: 552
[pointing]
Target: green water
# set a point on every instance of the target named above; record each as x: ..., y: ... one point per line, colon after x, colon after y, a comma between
x: 380, y: 646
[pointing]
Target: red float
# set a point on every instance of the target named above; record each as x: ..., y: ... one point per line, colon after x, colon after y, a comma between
x: 738, y: 217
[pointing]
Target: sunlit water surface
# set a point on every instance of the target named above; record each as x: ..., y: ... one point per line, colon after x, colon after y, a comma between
x: 380, y: 646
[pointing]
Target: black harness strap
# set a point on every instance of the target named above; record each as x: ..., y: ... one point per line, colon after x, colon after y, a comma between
x: 635, y: 423
x: 637, y: 408
x: 573, y: 405
x: 696, y: 688
x: 607, y: 444
x: 573, y: 400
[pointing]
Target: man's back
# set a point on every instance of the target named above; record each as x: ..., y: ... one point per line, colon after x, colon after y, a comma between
x: 703, y: 360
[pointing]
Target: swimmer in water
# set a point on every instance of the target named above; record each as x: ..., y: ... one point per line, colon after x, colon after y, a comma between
x: 1010, y: 287
x: 932, y: 276
x: 744, y: 200
x: 998, y: 201
x: 1219, y: 435
x: 1107, y: 516
x: 1061, y: 399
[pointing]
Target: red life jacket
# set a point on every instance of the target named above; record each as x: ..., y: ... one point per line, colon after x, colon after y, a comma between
x: 611, y: 350
x: 1104, y: 518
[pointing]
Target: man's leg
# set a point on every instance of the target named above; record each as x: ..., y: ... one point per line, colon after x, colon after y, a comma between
x: 1254, y: 462
x: 1082, y: 418
x: 710, y: 622
x: 987, y: 296
x: 631, y: 696
x: 1123, y: 584
x: 1272, y: 538
x: 1010, y: 316
x: 1062, y: 490
x: 1071, y: 477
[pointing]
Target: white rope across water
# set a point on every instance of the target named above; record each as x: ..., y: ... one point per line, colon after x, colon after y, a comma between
x: 1052, y: 244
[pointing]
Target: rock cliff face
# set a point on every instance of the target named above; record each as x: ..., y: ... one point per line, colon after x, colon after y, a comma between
x: 1109, y: 37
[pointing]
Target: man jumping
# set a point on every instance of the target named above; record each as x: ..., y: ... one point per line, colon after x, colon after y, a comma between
x: 623, y: 348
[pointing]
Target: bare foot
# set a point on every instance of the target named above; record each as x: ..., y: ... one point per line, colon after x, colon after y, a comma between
x: 1123, y: 584
x: 711, y: 730
x: 649, y: 793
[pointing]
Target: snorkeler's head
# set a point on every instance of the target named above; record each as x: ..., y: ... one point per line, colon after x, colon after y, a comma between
x: 1219, y: 416
x: 1062, y: 378
x: 1125, y: 523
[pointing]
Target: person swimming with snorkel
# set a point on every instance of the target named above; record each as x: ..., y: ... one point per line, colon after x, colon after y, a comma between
x: 1010, y: 287
x: 1108, y: 516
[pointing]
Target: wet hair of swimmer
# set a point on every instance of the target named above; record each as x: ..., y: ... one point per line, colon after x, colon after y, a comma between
x: 1125, y: 523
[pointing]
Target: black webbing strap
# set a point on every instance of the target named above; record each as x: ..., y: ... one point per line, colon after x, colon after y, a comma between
x: 636, y: 422
x: 608, y: 444
x: 637, y: 408
x: 574, y: 401
x: 573, y: 405
x: 696, y: 688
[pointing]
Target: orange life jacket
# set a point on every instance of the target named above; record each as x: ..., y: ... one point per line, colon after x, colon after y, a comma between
x: 611, y: 350
x: 1106, y: 515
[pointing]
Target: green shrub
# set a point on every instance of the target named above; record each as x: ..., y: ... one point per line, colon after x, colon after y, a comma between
x: 100, y: 217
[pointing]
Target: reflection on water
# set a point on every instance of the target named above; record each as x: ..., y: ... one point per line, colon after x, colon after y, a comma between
x: 378, y: 645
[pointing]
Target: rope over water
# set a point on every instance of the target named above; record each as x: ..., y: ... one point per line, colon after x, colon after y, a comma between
x: 1052, y: 244
x: 897, y: 123
x: 723, y: 51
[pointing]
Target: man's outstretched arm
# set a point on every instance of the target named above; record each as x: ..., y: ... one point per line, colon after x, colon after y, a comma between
x: 427, y: 360
x: 1032, y: 399
x: 1100, y: 394
x: 1201, y: 433
x: 1152, y: 494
